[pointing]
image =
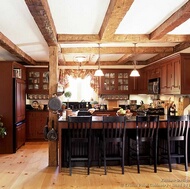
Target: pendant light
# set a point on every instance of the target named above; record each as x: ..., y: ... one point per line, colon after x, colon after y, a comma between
x: 99, y: 72
x: 134, y: 72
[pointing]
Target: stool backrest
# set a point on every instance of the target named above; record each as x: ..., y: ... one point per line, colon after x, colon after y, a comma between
x: 178, y: 127
x: 146, y: 126
x: 79, y: 126
x: 114, y: 126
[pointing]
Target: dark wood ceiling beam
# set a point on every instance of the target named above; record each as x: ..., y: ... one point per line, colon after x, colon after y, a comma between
x: 118, y: 50
x: 172, y: 22
x: 42, y: 16
x: 15, y: 50
x: 116, y: 11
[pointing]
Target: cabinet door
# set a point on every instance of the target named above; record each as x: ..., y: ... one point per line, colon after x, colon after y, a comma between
x: 142, y: 82
x: 35, y: 124
x: 37, y: 82
x: 176, y: 76
x: 115, y: 82
x: 185, y: 74
x: 20, y: 135
x: 31, y: 123
x: 20, y: 100
x: 163, y: 80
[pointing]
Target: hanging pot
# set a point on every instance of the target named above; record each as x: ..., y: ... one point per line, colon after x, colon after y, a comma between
x: 52, y: 134
x: 54, y: 104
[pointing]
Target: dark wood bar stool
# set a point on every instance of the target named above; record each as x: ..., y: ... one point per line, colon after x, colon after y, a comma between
x: 112, y: 140
x: 142, y: 144
x: 79, y: 135
x: 177, y: 140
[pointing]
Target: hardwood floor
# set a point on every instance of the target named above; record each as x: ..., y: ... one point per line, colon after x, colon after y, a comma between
x: 28, y: 169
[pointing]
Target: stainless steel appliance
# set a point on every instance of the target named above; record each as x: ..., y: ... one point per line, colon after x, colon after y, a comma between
x: 154, y: 86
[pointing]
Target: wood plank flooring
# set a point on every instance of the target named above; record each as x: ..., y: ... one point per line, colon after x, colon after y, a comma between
x: 28, y: 169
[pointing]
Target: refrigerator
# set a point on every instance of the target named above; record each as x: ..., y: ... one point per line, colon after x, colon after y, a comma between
x: 19, y: 103
x: 12, y: 106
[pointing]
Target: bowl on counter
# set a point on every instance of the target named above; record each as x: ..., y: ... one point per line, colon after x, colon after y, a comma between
x: 128, y: 115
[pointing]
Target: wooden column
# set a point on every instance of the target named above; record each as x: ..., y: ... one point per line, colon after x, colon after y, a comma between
x: 53, y: 80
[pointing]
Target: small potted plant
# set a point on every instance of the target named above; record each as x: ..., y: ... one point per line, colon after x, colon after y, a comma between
x: 2, y: 128
x: 67, y: 95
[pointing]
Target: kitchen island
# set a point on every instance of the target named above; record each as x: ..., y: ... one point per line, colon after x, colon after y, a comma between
x: 96, y: 129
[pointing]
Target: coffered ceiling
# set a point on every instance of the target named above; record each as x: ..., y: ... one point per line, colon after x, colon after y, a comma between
x: 159, y: 28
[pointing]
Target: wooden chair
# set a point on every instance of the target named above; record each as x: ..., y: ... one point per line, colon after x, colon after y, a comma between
x: 112, y: 141
x: 177, y: 140
x: 79, y: 136
x: 145, y: 140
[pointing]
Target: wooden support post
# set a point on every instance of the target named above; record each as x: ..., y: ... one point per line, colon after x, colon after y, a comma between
x: 53, y: 80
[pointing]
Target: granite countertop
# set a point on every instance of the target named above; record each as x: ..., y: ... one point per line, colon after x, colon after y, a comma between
x: 99, y: 118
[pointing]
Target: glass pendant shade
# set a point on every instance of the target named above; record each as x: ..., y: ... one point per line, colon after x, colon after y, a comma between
x: 134, y: 73
x: 99, y: 72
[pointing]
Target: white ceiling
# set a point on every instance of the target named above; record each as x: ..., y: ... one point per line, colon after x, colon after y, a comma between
x: 84, y: 17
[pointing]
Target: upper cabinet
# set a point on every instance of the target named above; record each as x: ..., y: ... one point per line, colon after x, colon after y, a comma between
x: 114, y: 82
x: 184, y: 73
x: 175, y: 77
x: 37, y: 83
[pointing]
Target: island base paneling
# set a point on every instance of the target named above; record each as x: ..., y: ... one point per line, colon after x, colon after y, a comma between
x: 96, y: 132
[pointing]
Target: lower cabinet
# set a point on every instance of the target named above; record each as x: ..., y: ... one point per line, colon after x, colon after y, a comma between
x: 20, y: 135
x: 35, y: 122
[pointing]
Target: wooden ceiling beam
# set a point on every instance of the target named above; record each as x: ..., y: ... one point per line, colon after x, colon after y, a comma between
x: 116, y: 11
x: 124, y: 59
x: 15, y: 50
x: 131, y: 38
x: 72, y: 38
x: 118, y: 50
x: 172, y: 22
x: 177, y: 49
x: 42, y: 16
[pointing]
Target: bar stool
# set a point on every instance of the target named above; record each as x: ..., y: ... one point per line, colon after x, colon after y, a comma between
x: 177, y: 140
x: 79, y: 135
x: 145, y: 140
x: 112, y: 140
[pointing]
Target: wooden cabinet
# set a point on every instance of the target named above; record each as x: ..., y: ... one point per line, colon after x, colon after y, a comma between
x: 185, y: 74
x: 154, y: 71
x: 12, y: 102
x: 37, y: 83
x: 175, y: 77
x: 142, y: 82
x: 20, y: 135
x: 20, y: 100
x: 115, y: 82
x: 35, y: 122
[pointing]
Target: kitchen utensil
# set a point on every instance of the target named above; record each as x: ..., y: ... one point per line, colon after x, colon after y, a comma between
x: 52, y: 134
x: 46, y: 129
x: 54, y: 104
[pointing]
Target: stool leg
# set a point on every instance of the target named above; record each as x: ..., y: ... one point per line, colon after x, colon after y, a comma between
x: 138, y: 160
x: 169, y: 157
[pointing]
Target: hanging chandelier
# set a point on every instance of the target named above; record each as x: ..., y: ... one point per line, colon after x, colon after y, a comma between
x: 99, y: 72
x: 135, y: 72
